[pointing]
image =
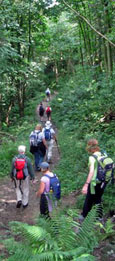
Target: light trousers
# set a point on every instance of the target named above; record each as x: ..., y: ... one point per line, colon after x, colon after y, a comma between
x: 22, y: 190
x: 49, y: 150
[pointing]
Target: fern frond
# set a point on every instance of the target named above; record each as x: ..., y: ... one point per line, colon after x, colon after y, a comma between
x: 86, y: 235
x: 35, y: 235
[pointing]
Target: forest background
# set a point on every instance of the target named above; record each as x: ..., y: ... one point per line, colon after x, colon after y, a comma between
x: 68, y: 46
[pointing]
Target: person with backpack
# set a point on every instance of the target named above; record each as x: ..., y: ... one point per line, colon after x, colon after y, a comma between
x: 100, y: 173
x: 49, y: 190
x: 48, y: 93
x: 21, y: 172
x: 48, y: 113
x: 49, y: 135
x: 41, y: 111
x: 38, y: 146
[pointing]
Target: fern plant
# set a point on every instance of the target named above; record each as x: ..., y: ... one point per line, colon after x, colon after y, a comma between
x: 54, y: 239
x: 106, y: 230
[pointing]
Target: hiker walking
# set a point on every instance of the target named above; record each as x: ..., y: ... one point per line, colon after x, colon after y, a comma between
x: 21, y: 172
x: 50, y: 137
x: 38, y: 146
x: 49, y: 190
x: 48, y: 93
x: 41, y: 111
x: 96, y: 181
x: 48, y: 112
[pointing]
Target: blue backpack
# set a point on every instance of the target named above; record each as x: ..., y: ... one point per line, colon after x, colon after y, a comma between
x: 34, y: 138
x: 47, y: 134
x: 55, y: 186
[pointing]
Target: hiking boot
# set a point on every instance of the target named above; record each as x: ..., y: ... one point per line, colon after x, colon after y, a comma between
x: 19, y: 203
x: 25, y: 206
x: 81, y: 218
x: 49, y: 161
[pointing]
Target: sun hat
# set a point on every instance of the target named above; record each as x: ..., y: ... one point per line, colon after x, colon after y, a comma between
x: 44, y: 165
x: 48, y: 124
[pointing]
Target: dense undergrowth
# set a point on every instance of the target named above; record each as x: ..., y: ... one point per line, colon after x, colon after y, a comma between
x: 56, y: 238
x: 82, y: 110
x: 18, y: 133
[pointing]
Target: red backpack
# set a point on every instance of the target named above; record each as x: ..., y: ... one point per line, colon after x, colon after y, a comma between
x: 19, y: 166
x: 48, y: 109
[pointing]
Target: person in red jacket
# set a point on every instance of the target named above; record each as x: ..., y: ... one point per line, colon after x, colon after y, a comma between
x: 48, y: 113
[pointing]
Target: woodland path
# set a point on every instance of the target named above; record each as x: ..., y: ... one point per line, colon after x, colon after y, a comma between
x: 8, y: 210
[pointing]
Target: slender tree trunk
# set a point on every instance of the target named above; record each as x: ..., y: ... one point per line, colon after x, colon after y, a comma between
x: 0, y: 111
x: 80, y: 48
x: 29, y: 27
x: 56, y: 71
x: 8, y: 113
x: 105, y: 56
x: 20, y: 98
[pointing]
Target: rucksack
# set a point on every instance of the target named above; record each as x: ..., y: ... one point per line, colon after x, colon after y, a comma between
x: 55, y: 186
x: 20, y: 165
x: 34, y: 138
x: 41, y: 109
x: 47, y: 134
x: 47, y: 92
x: 48, y: 109
x: 105, y: 168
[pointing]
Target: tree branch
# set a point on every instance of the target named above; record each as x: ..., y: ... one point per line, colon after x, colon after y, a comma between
x: 91, y: 26
x: 7, y: 134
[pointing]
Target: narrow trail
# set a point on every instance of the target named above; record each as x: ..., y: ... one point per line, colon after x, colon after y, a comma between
x: 8, y: 210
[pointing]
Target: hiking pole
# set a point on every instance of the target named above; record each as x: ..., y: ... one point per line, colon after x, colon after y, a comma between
x: 57, y: 146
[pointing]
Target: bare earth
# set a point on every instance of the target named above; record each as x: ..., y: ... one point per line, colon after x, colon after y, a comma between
x: 8, y: 210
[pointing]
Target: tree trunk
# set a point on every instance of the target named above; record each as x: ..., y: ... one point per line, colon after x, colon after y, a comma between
x: 20, y: 96
x: 29, y: 27
x: 8, y: 113
x: 0, y: 111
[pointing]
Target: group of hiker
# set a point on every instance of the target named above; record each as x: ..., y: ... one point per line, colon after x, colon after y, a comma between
x: 41, y: 110
x: 101, y: 170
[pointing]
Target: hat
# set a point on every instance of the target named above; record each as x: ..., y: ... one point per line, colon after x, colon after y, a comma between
x: 48, y: 124
x: 44, y: 165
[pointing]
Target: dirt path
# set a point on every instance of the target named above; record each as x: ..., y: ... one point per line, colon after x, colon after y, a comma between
x: 8, y: 210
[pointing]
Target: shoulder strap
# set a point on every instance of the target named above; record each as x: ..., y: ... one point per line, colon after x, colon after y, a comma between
x: 46, y: 175
x: 96, y: 157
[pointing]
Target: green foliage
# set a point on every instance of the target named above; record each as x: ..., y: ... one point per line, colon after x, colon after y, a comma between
x: 105, y: 231
x: 53, y: 239
x: 80, y: 110
x: 20, y: 134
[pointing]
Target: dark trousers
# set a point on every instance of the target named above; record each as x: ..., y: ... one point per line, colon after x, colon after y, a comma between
x: 38, y: 156
x: 48, y: 114
x: 93, y: 199
x: 44, y: 206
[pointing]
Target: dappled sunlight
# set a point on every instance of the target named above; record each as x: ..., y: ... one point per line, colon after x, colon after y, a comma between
x: 8, y: 201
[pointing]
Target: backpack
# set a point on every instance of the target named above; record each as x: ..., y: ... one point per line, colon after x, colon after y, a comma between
x: 48, y: 109
x: 47, y: 92
x: 105, y: 168
x: 47, y: 134
x: 34, y: 138
x: 55, y: 186
x: 20, y: 171
x: 41, y: 109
